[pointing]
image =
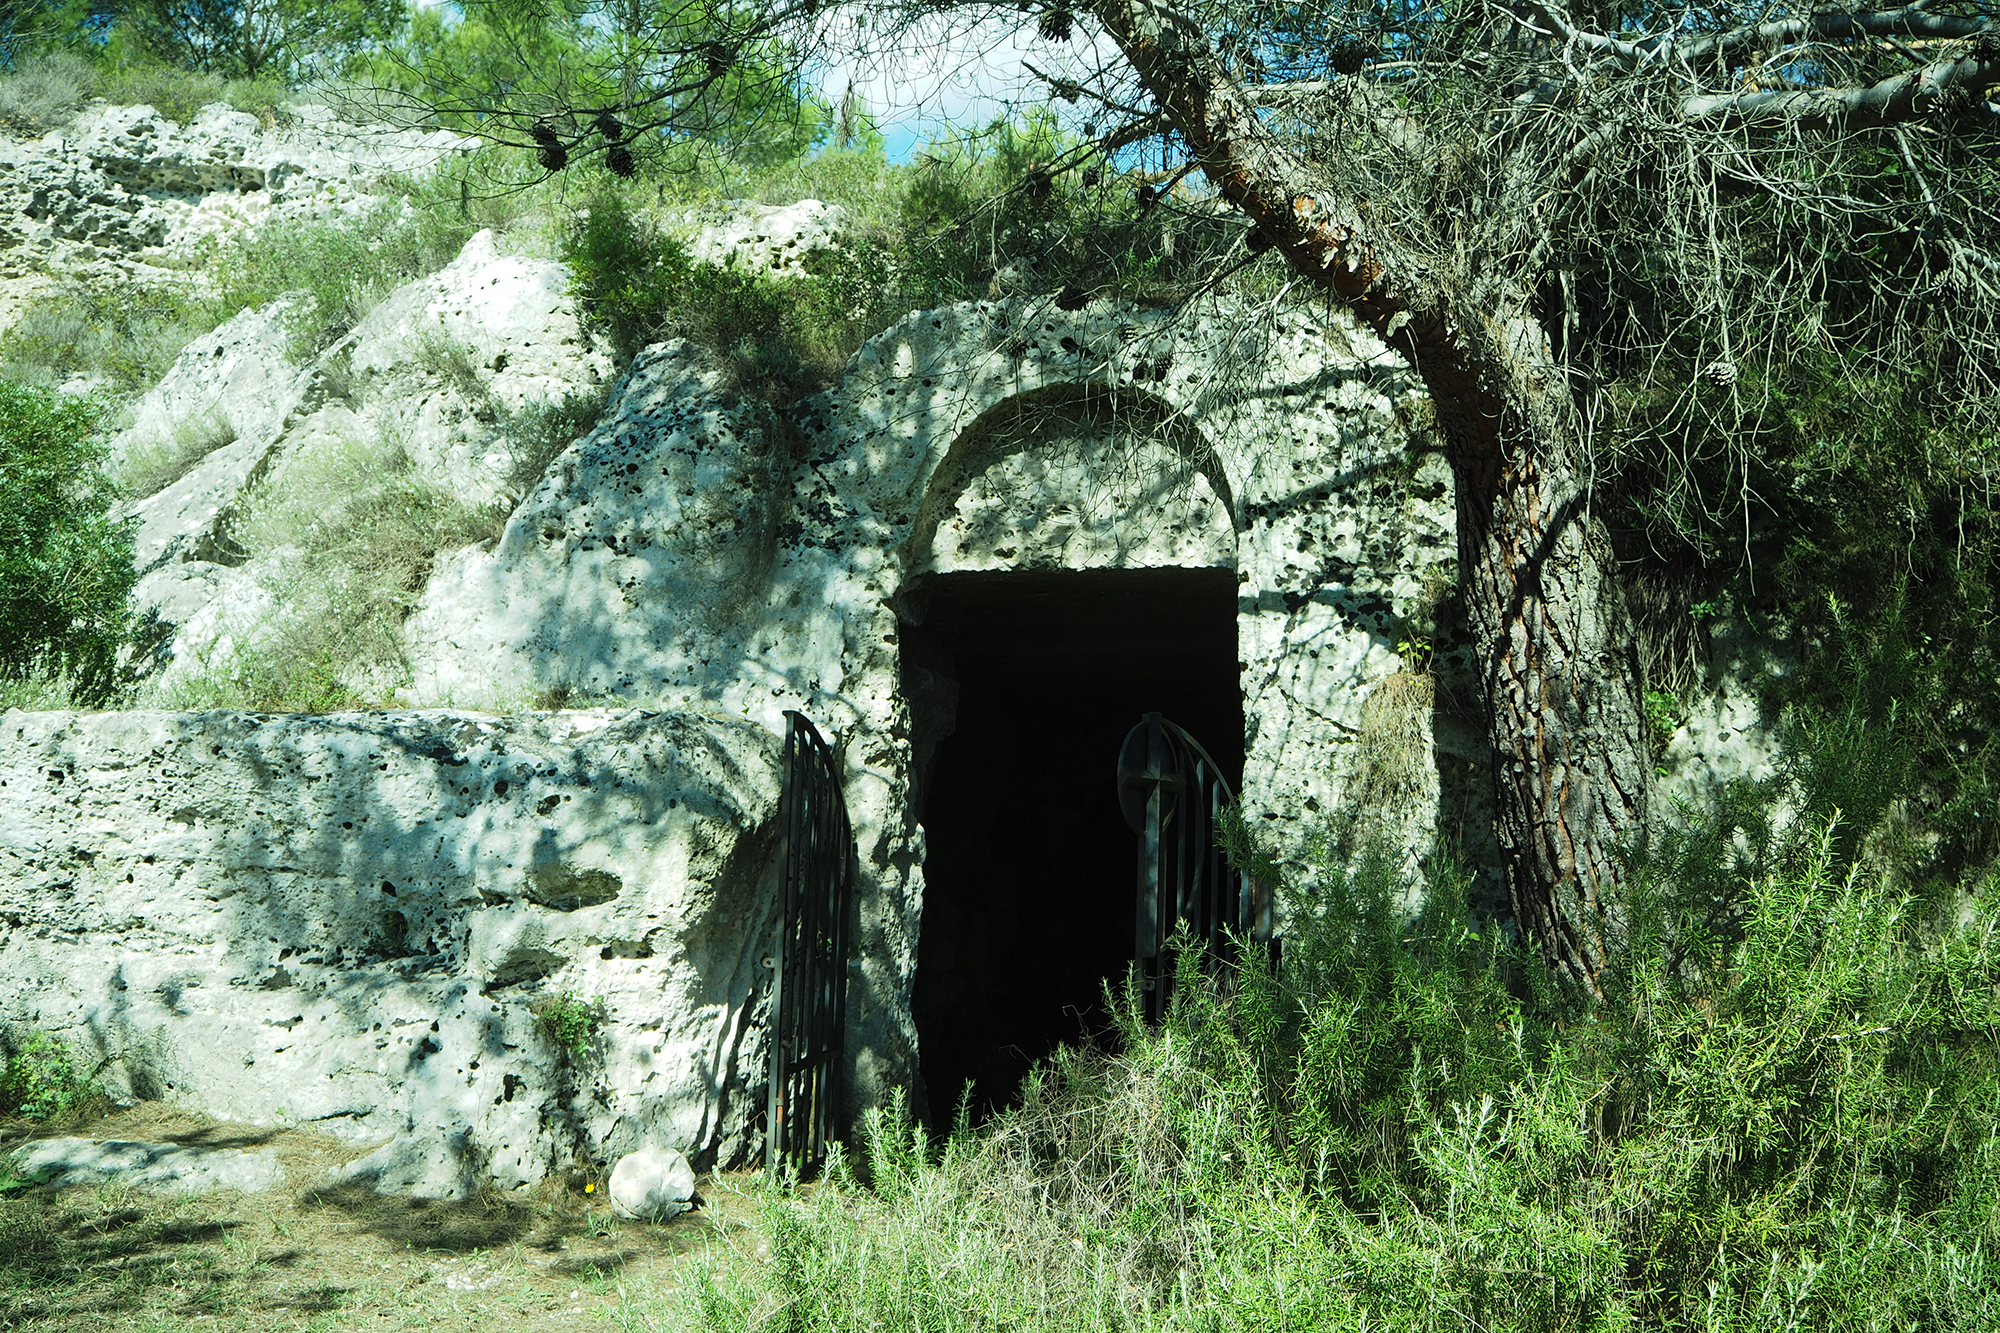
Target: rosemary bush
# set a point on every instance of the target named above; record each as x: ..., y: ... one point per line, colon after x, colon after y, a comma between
x: 1780, y: 1116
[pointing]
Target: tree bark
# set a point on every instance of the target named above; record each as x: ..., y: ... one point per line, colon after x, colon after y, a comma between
x: 1542, y: 603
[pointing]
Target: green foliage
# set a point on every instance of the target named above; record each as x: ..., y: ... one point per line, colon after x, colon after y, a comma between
x: 783, y: 336
x: 179, y: 94
x: 1780, y: 1118
x: 1019, y: 205
x: 346, y: 267
x: 570, y: 1021
x: 65, y: 560
x: 42, y: 92
x: 512, y: 63
x: 43, y: 1081
x: 130, y: 333
x: 286, y: 40
x: 1664, y: 715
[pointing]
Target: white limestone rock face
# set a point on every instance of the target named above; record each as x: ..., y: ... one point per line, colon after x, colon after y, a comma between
x: 492, y: 332
x: 614, y: 576
x: 122, y: 188
x: 681, y: 556
x: 773, y: 239
x: 1730, y: 736
x: 437, y: 371
x: 349, y: 921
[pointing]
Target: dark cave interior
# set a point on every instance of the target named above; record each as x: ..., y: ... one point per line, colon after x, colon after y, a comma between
x: 1029, y: 867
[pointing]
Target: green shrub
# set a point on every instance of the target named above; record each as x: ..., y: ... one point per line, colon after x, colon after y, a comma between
x: 43, y: 1081
x: 65, y: 561
x: 538, y: 432
x: 346, y: 266
x: 150, y: 467
x: 42, y: 92
x: 128, y: 333
x: 1780, y: 1118
x: 180, y: 94
x: 784, y: 337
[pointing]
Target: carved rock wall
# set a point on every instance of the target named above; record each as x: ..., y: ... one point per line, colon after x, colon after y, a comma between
x: 350, y: 920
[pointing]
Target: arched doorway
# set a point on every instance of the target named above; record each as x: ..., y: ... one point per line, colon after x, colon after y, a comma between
x: 1074, y: 579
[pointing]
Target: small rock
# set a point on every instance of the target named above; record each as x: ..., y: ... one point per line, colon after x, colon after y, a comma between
x: 652, y: 1185
x: 60, y: 1163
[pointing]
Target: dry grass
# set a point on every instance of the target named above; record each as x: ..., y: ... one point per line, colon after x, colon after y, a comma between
x: 96, y: 1260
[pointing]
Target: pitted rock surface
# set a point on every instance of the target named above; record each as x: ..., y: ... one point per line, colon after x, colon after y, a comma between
x: 123, y: 186
x: 440, y: 366
x: 66, y: 1163
x: 773, y: 239
x: 346, y: 921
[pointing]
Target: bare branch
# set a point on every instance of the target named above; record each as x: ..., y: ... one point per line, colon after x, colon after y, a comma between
x: 1912, y: 95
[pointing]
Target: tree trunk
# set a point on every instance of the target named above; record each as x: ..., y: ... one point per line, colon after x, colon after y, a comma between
x: 1555, y: 661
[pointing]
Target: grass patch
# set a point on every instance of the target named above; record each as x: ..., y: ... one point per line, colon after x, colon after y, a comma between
x: 126, y: 334
x: 347, y: 538
x: 180, y: 94
x: 149, y: 468
x: 41, y: 92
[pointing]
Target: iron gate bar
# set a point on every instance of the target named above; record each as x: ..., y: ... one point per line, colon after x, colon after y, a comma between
x: 1173, y: 796
x: 809, y: 964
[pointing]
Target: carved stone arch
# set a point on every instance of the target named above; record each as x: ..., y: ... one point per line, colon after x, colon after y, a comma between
x: 1091, y: 410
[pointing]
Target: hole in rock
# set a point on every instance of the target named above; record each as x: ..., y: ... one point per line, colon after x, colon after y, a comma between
x: 1029, y: 868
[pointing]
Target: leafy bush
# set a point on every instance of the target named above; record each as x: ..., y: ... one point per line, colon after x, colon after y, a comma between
x: 346, y: 265
x: 1779, y: 1118
x: 127, y: 333
x: 43, y: 1081
x: 65, y: 561
x: 180, y: 94
x: 42, y: 92
x: 784, y: 337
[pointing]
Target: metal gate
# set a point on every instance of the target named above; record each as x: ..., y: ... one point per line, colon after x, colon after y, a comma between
x: 809, y: 964
x: 1173, y: 795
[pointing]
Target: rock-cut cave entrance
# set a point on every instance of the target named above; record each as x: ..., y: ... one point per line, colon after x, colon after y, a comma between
x: 1021, y: 687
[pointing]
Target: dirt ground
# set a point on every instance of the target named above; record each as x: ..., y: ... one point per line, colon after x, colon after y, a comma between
x: 112, y: 1258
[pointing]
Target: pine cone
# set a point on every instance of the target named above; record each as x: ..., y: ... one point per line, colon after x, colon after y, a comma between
x: 1056, y: 25
x: 619, y: 159
x: 610, y: 127
x: 552, y: 156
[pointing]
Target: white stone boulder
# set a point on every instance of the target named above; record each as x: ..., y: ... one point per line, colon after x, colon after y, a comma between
x: 493, y: 331
x: 652, y: 1185
x: 773, y: 239
x: 235, y: 384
